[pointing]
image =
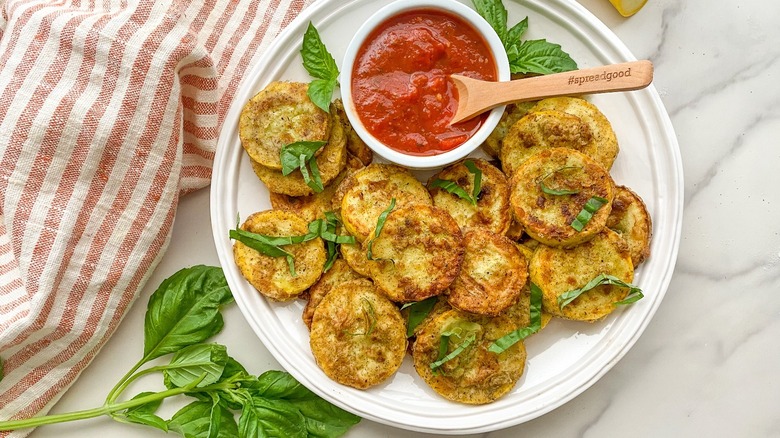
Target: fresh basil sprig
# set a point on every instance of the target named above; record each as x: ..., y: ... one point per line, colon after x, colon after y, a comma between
x: 503, y: 343
x: 586, y: 214
x: 320, y: 65
x: 455, y: 189
x: 380, y: 223
x: 444, y: 343
x: 530, y: 56
x: 299, y: 155
x: 417, y: 313
x: 183, y: 313
x: 634, y: 293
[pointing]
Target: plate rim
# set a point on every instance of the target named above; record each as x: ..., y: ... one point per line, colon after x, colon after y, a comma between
x: 334, y: 393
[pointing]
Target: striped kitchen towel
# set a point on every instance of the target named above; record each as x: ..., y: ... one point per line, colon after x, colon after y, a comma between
x: 109, y: 111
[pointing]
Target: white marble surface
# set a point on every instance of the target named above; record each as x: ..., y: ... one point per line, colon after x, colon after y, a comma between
x: 708, y: 363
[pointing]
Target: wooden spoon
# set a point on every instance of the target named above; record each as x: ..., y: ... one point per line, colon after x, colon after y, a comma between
x: 476, y: 96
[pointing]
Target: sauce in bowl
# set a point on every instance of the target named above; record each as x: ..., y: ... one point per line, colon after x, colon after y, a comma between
x: 400, y: 85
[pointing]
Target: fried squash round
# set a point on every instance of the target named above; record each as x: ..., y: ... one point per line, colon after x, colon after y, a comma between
x: 330, y: 162
x: 630, y: 219
x: 368, y: 192
x: 542, y: 130
x: 512, y: 113
x: 280, y: 114
x: 548, y: 217
x: 418, y: 253
x: 492, y: 208
x: 271, y: 275
x: 309, y: 207
x: 476, y: 375
x: 355, y: 145
x: 339, y: 273
x: 604, y: 139
x: 492, y: 276
x: 558, y: 270
x: 357, y: 336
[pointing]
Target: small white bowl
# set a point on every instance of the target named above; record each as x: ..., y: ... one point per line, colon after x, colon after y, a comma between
x: 455, y: 8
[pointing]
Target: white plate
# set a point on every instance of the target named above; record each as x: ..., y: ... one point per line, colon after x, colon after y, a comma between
x: 566, y: 357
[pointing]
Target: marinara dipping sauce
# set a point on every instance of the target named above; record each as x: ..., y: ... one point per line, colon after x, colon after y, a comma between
x: 400, y: 84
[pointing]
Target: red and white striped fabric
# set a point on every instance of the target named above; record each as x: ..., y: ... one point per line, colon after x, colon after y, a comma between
x: 109, y: 111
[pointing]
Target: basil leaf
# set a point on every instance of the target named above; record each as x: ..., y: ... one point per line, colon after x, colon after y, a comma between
x: 320, y: 92
x: 195, y: 421
x: 540, y: 56
x: 261, y: 418
x: 380, y: 223
x: 517, y: 31
x: 474, y: 170
x: 184, y: 310
x: 503, y: 343
x: 190, y: 363
x: 586, y: 214
x: 452, y: 187
x: 455, y: 353
x: 634, y: 293
x: 290, y: 154
x: 322, y: 419
x: 320, y: 65
x: 417, y: 313
x: 145, y: 414
x: 263, y: 244
x: 494, y: 12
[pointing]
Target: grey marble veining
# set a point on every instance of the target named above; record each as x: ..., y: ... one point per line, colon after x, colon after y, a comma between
x: 708, y: 363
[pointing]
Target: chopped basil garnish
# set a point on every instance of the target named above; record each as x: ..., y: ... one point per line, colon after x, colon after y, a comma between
x: 444, y: 343
x: 380, y: 223
x: 452, y: 187
x: 297, y: 156
x: 455, y: 189
x: 556, y: 192
x: 270, y: 245
x: 503, y: 343
x: 585, y: 215
x: 369, y: 316
x: 417, y: 313
x: 320, y: 65
x: 634, y: 293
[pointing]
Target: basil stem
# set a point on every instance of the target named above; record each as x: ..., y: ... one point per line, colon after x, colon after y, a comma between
x: 585, y: 215
x: 634, y: 293
x: 503, y: 343
x: 556, y: 192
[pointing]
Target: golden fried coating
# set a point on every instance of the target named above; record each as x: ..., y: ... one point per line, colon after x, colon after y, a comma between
x: 630, y: 219
x: 339, y: 273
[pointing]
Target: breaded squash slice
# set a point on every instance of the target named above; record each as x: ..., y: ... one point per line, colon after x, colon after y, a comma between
x: 574, y: 179
x: 280, y: 114
x: 512, y: 113
x: 368, y: 192
x: 606, y: 144
x: 330, y: 162
x: 475, y: 375
x: 630, y: 219
x: 492, y: 209
x: 542, y: 130
x: 355, y: 145
x: 492, y: 276
x: 418, y: 253
x: 358, y: 336
x: 558, y: 270
x: 271, y: 275
x: 339, y: 273
x: 355, y: 256
x: 515, y: 231
x: 309, y: 207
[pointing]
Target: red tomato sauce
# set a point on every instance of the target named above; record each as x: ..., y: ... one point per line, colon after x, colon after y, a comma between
x: 400, y: 84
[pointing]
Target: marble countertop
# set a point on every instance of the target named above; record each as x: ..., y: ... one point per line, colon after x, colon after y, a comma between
x: 707, y: 365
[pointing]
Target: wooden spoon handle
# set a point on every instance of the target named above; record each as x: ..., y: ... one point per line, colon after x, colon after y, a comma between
x: 482, y: 95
